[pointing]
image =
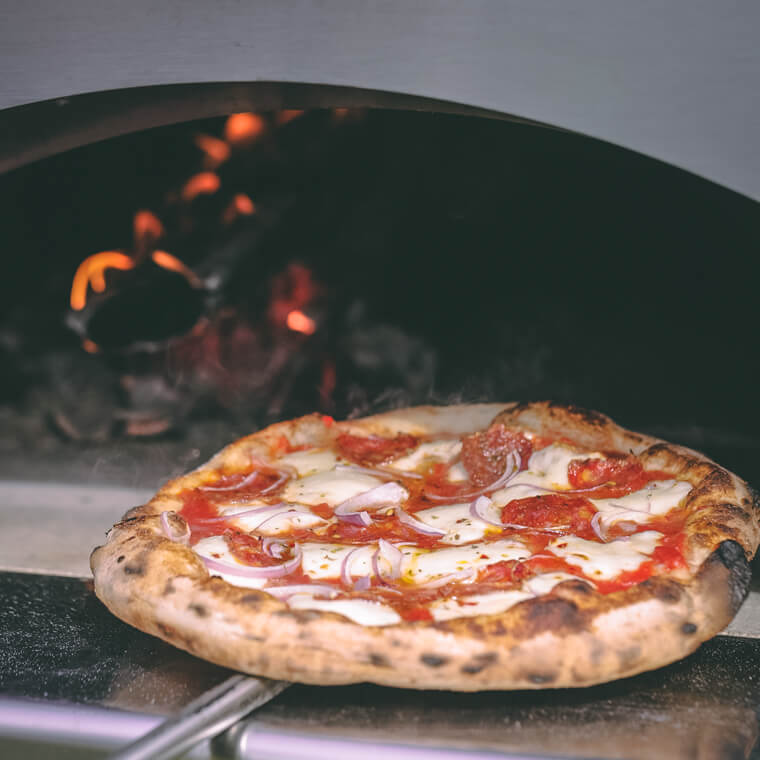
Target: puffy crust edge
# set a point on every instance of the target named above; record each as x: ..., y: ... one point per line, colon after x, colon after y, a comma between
x: 573, y: 636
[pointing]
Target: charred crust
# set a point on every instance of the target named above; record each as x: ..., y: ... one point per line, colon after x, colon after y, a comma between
x: 588, y: 416
x: 169, y: 588
x: 120, y: 559
x: 198, y: 609
x: 730, y: 555
x: 664, y: 590
x: 252, y: 600
x: 479, y: 662
x: 542, y: 678
x: 552, y: 615
x: 433, y: 660
x: 688, y: 628
x: 379, y: 660
x: 134, y: 569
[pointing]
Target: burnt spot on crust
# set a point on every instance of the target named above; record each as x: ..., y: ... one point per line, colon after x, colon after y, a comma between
x: 552, y: 615
x: 664, y: 590
x: 134, y: 569
x: 379, y: 660
x: 730, y: 556
x: 120, y: 559
x: 252, y: 600
x: 169, y: 588
x: 479, y: 662
x: 300, y: 616
x: 198, y: 609
x: 588, y: 416
x: 542, y: 678
x: 433, y: 660
x: 688, y: 629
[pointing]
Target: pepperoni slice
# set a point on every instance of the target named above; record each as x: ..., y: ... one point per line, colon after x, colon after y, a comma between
x: 565, y: 514
x: 248, y: 549
x: 373, y: 449
x: 611, y: 477
x: 484, y: 455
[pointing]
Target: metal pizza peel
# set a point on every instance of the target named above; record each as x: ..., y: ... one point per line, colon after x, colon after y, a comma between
x: 205, y: 717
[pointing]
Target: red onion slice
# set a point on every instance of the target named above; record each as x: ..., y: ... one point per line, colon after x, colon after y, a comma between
x: 512, y: 467
x: 597, y: 528
x: 385, y: 495
x: 461, y: 575
x: 418, y: 525
x: 345, y: 566
x: 246, y: 481
x: 315, y: 589
x: 274, y: 547
x: 171, y: 533
x: 363, y: 583
x: 248, y: 571
x: 392, y: 554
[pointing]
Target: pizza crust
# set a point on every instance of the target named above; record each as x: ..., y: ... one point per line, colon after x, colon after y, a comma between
x: 572, y: 636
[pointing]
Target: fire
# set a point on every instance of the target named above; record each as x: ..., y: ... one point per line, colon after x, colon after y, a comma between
x: 173, y: 264
x: 216, y: 151
x: 204, y: 183
x: 92, y: 272
x: 90, y: 346
x: 240, y: 205
x: 243, y: 128
x: 147, y: 227
x: 299, y: 322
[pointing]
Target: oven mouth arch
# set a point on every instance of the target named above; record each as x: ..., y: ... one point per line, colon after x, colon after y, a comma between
x: 35, y: 131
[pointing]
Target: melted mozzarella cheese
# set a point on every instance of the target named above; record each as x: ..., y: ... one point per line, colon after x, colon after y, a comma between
x: 329, y: 487
x: 547, y: 468
x: 460, y: 526
x: 325, y: 560
x: 310, y: 462
x: 215, y: 547
x: 656, y: 498
x: 361, y: 611
x: 545, y: 582
x: 420, y: 565
x: 606, y: 561
x: 477, y: 604
x: 279, y: 518
x: 444, y: 450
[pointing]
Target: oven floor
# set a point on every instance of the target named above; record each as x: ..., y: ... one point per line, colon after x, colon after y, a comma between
x: 73, y: 677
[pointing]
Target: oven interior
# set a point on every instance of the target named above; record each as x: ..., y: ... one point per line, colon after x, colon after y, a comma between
x: 169, y: 290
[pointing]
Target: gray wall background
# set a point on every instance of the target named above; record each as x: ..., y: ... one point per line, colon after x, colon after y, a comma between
x: 677, y: 80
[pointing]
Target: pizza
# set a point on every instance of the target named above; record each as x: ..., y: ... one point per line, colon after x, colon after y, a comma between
x: 470, y: 547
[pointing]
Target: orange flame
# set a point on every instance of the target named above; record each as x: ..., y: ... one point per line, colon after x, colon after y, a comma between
x: 217, y: 151
x: 204, y: 183
x: 173, y: 264
x: 92, y: 272
x: 240, y: 205
x: 243, y: 128
x: 147, y: 227
x: 299, y: 322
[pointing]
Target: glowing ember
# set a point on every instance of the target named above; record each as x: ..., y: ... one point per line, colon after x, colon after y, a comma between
x: 283, y: 117
x: 90, y: 346
x: 216, y: 151
x: 147, y: 227
x: 243, y: 128
x: 92, y: 272
x: 298, y: 321
x: 204, y: 183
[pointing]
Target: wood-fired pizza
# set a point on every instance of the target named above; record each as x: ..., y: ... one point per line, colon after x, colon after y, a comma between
x: 484, y: 546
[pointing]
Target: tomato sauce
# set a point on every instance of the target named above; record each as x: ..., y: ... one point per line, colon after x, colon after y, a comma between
x: 541, y: 518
